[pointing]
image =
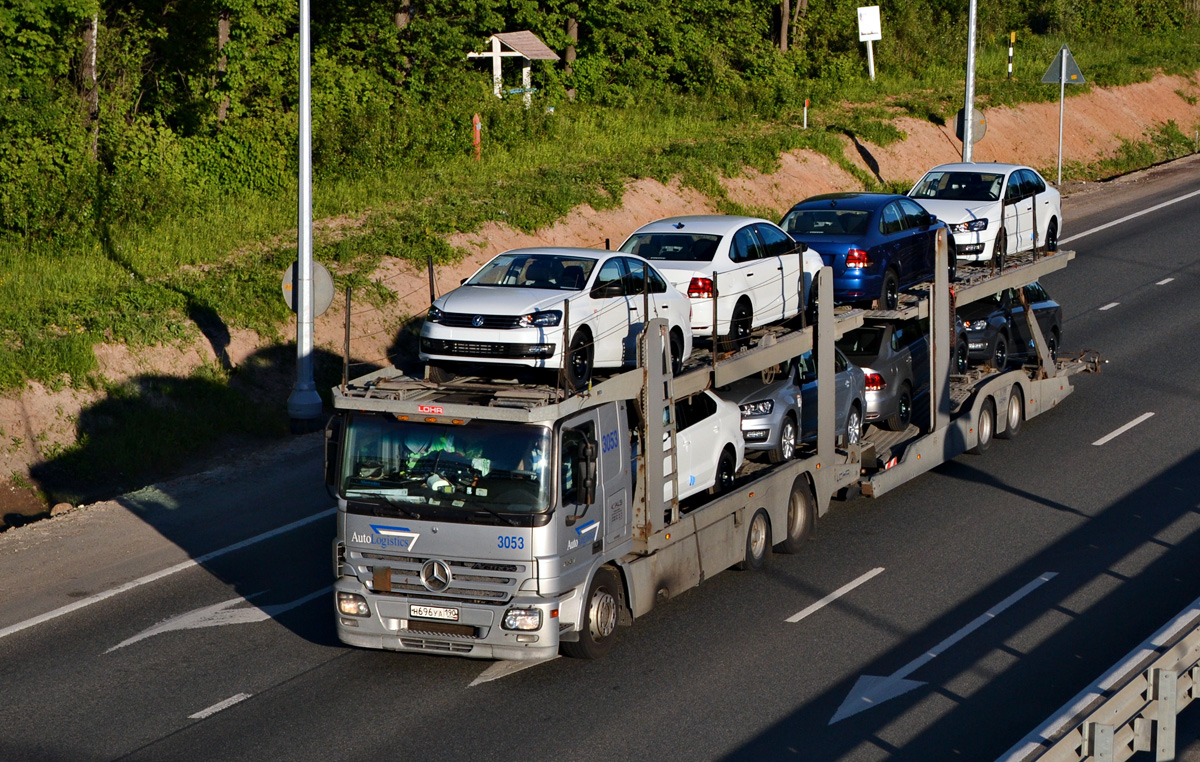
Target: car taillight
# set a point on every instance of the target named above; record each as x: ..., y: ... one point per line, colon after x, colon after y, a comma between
x: 700, y: 288
x: 875, y: 382
x: 857, y: 258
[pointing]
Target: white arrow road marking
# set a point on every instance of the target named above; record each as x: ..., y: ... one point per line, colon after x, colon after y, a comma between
x: 872, y: 691
x: 220, y: 614
x: 218, y: 706
x: 505, y: 668
x: 835, y: 595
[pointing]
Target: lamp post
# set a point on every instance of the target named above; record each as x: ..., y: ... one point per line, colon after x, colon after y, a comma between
x: 304, y: 404
x: 969, y: 105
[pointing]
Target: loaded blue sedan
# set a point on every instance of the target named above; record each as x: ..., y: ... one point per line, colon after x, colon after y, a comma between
x: 876, y: 243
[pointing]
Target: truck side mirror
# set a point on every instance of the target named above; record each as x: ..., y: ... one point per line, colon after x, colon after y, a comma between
x: 589, y: 473
x: 333, y: 447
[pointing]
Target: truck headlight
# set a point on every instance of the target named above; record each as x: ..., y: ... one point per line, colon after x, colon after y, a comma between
x: 434, y: 316
x: 353, y: 604
x: 544, y: 319
x: 522, y: 619
x: 973, y: 226
x: 753, y: 409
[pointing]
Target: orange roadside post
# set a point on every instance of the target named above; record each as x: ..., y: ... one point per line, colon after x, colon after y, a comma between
x: 477, y: 128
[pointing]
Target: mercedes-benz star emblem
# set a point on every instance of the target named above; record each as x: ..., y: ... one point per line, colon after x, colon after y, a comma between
x: 477, y: 321
x: 435, y: 576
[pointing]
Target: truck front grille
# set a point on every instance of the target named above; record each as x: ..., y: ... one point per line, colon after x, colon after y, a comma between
x: 436, y: 645
x: 486, y: 583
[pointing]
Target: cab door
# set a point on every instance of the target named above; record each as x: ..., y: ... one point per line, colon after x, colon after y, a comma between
x: 581, y: 521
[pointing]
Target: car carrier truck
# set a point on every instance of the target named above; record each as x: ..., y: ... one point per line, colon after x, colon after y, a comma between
x: 507, y: 520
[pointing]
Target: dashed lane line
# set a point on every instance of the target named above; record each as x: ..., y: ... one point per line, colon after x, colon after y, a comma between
x: 1109, y: 437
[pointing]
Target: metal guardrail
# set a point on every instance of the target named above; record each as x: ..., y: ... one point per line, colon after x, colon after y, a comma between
x: 1132, y: 708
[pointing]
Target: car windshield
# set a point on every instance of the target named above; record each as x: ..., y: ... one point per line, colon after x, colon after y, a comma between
x: 806, y: 222
x: 681, y: 247
x: 960, y: 186
x: 550, y: 271
x: 476, y: 471
x: 862, y: 341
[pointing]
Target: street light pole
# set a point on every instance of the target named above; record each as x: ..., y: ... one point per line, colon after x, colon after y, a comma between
x: 304, y: 404
x: 969, y: 105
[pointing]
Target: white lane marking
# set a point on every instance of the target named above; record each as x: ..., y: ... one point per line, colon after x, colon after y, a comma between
x: 1119, y: 673
x: 220, y: 614
x: 1109, y: 437
x: 872, y: 691
x: 1129, y: 217
x: 219, y: 706
x: 1109, y: 306
x: 85, y: 602
x: 835, y: 595
x: 505, y: 668
x: 1164, y: 281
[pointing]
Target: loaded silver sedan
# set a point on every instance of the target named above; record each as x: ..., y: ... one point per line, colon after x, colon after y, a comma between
x: 779, y: 410
x: 895, y: 358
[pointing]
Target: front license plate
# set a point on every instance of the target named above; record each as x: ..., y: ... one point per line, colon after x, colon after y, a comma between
x: 434, y: 612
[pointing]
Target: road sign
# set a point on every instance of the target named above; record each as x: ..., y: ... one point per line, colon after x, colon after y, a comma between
x: 322, y: 288
x: 1069, y: 74
x: 978, y: 125
x: 869, y: 27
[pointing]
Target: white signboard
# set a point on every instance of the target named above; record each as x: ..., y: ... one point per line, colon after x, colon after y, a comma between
x: 869, y: 27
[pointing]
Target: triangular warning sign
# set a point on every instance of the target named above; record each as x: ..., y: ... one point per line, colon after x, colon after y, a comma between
x: 1072, y: 75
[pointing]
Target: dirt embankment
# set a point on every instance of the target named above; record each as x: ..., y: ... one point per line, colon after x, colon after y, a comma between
x: 39, y: 421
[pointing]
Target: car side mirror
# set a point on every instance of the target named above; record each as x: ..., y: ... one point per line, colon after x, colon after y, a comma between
x: 585, y: 476
x: 608, y: 290
x: 930, y: 220
x: 333, y: 446
x: 801, y: 247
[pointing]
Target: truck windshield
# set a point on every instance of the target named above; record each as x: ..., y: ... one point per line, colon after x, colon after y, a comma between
x: 481, y: 469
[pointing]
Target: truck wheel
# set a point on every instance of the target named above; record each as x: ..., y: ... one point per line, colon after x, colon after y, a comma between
x: 599, y: 617
x: 786, y: 449
x: 986, y: 427
x: 1015, y: 416
x: 801, y: 515
x: 758, y: 542
x: 726, y: 468
x: 899, y: 420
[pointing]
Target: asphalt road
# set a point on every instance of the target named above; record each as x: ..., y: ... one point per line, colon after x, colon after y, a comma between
x: 1009, y: 582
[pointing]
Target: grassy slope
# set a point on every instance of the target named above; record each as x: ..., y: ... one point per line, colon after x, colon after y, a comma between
x: 221, y: 266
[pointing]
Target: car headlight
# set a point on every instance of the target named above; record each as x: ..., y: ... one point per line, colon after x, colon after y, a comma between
x: 540, y: 319
x: 973, y: 226
x: 522, y: 619
x: 762, y: 407
x: 353, y: 604
x: 434, y: 316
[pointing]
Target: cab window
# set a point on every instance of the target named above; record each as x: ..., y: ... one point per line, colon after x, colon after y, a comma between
x: 575, y: 442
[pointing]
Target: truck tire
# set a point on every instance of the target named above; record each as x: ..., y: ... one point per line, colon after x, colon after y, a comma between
x: 801, y: 516
x: 1015, y: 415
x: 758, y: 542
x: 985, y: 427
x: 600, y: 615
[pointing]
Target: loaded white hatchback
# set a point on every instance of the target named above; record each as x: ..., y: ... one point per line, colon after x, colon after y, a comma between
x: 762, y: 275
x: 991, y: 208
x: 525, y: 305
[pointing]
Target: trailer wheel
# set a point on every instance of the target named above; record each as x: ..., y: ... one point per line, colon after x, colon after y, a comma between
x: 786, y: 449
x: 986, y: 427
x: 758, y: 542
x: 599, y: 617
x: 899, y: 420
x: 1015, y: 416
x: 801, y: 516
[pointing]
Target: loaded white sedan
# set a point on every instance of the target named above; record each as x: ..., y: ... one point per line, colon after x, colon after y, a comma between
x: 991, y: 208
x: 763, y: 276
x: 522, y: 307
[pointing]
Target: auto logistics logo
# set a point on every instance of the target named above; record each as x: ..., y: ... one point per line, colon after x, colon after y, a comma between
x: 382, y: 536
